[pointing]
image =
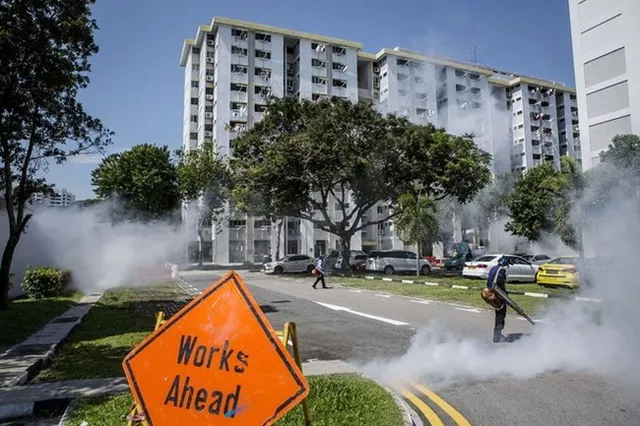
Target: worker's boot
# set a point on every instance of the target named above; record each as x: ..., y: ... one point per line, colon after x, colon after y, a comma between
x: 498, y: 337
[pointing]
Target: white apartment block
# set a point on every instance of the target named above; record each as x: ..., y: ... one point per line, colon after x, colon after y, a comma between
x: 232, y: 66
x: 606, y: 56
x: 62, y: 198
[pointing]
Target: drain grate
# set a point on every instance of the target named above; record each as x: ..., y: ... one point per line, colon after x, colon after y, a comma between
x: 65, y: 319
x: 24, y: 350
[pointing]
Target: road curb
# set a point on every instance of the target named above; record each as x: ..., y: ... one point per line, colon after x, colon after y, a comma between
x: 411, y: 418
x: 474, y: 288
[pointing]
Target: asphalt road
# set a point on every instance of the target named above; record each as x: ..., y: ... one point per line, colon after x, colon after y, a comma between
x: 355, y: 326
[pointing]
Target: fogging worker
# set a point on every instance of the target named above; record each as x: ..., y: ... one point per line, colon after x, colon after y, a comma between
x: 497, y: 277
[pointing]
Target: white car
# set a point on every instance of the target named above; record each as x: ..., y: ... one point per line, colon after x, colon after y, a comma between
x: 392, y: 261
x: 291, y: 264
x: 519, y: 269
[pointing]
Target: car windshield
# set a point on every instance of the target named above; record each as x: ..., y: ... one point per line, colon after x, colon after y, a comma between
x: 564, y: 261
x: 528, y: 257
x: 484, y: 259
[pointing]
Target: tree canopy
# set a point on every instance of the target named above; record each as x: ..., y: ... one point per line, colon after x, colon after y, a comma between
x: 143, y: 179
x: 45, y: 47
x: 543, y: 202
x: 417, y: 222
x: 204, y: 182
x: 306, y: 159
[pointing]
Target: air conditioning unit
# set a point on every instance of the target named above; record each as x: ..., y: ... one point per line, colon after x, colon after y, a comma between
x: 376, y: 70
x: 209, y: 78
x: 208, y: 134
x: 211, y: 42
x: 208, y: 115
x: 209, y: 97
x: 376, y: 85
x: 210, y: 60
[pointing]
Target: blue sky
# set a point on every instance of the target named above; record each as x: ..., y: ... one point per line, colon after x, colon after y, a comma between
x: 136, y: 83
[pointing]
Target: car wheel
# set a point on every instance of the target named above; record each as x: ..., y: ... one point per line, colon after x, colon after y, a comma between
x: 425, y: 270
x: 278, y: 270
x: 310, y: 269
x: 388, y: 270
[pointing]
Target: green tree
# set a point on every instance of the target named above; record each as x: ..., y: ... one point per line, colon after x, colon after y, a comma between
x: 204, y: 181
x: 544, y: 202
x: 417, y: 221
x: 309, y: 158
x: 45, y: 47
x: 143, y: 180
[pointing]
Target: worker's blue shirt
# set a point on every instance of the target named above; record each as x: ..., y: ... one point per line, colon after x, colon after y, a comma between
x: 502, y: 276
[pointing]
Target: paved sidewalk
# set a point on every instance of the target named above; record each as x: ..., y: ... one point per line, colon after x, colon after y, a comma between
x: 19, y: 363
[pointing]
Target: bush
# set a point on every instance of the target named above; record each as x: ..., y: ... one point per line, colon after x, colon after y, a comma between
x: 40, y: 283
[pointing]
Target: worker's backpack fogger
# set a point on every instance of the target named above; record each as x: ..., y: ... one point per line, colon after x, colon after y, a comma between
x: 496, y: 298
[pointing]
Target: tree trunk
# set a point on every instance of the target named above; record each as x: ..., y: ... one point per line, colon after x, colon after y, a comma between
x: 5, y: 270
x: 418, y: 261
x: 200, y: 254
x: 346, y: 252
x: 278, y: 235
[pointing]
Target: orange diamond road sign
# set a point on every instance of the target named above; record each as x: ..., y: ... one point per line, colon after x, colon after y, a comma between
x: 217, y: 361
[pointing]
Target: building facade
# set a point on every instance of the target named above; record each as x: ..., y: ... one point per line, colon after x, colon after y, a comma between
x: 606, y: 58
x: 231, y: 67
x: 62, y: 198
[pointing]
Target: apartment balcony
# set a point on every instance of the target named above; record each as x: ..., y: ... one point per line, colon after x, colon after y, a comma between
x: 339, y: 91
x: 239, y: 114
x: 263, y: 45
x: 536, y: 149
x: 237, y: 234
x: 240, y: 59
x: 238, y: 97
x: 262, y: 80
x: 262, y: 62
x: 319, y: 71
x: 239, y: 78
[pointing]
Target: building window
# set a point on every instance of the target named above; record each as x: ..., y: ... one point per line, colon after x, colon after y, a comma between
x: 261, y: 54
x: 209, y: 91
x: 318, y: 80
x: 265, y: 38
x: 195, y: 67
x: 259, y: 108
x: 241, y: 34
x: 208, y: 108
x: 339, y: 50
x: 318, y: 63
x: 194, y: 118
x: 208, y: 127
x: 238, y: 87
x: 339, y: 83
x: 239, y: 69
x: 195, y: 50
x: 337, y: 66
x: 193, y: 136
x: 194, y: 84
x: 240, y: 51
x: 194, y: 101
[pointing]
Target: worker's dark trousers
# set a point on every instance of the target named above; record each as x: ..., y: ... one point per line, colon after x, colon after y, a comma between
x: 320, y: 279
x: 501, y: 315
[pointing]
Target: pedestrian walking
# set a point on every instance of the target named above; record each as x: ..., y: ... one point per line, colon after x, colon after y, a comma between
x: 318, y: 271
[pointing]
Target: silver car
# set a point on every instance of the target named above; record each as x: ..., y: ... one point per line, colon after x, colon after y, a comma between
x: 290, y: 264
x: 392, y: 261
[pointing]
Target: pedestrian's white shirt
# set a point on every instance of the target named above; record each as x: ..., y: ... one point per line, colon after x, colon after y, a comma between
x: 319, y: 266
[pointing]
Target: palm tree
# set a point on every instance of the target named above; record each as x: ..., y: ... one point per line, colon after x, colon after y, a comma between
x: 417, y: 222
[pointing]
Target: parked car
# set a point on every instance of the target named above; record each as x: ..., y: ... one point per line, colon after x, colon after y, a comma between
x: 391, y: 261
x: 538, y: 259
x: 561, y: 271
x: 520, y: 270
x: 457, y: 263
x: 291, y: 264
x: 357, y: 262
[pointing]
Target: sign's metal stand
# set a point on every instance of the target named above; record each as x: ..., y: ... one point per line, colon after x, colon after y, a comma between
x: 136, y: 415
x: 289, y: 336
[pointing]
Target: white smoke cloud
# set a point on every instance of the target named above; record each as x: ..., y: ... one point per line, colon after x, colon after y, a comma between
x: 576, y: 336
x: 101, y: 255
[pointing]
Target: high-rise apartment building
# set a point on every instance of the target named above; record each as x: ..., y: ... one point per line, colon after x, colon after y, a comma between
x: 231, y: 68
x: 62, y: 198
x: 606, y: 57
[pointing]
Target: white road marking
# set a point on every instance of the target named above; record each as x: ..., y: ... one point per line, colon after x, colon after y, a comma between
x: 373, y: 317
x: 464, y: 287
x: 408, y: 281
x: 383, y: 295
x: 387, y: 279
x: 356, y: 291
x: 424, y: 302
x: 542, y: 295
x: 474, y: 310
x: 428, y: 283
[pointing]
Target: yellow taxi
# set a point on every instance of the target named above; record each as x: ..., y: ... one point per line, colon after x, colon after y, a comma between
x: 559, y: 272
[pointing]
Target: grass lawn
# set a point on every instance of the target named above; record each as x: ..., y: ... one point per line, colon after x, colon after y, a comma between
x: 26, y: 316
x: 121, y: 319
x: 453, y: 295
x: 334, y: 400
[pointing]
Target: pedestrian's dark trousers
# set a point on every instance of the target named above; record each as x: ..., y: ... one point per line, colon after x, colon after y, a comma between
x: 320, y: 278
x: 501, y: 315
